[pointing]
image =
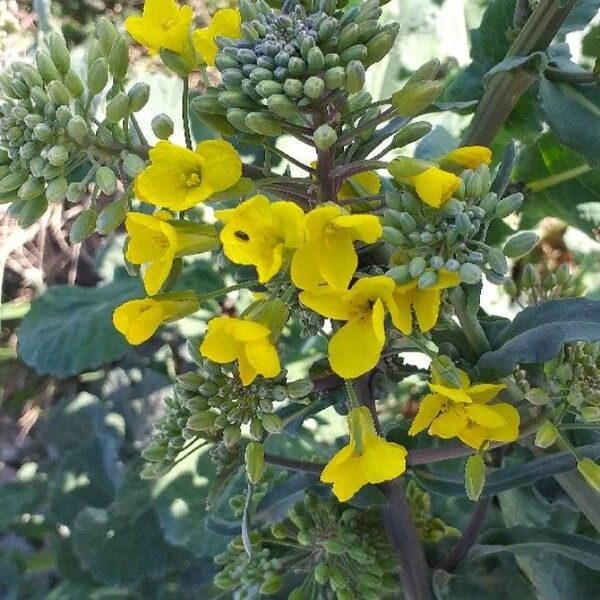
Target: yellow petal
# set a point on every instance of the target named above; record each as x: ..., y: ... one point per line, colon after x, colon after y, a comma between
x: 428, y: 410
x: 452, y: 393
x: 484, y: 392
x: 382, y: 460
x: 448, y: 424
x: 366, y: 228
x: 486, y: 416
x: 249, y: 331
x: 304, y: 270
x: 402, y: 313
x: 446, y: 279
x: 337, y: 260
x: 368, y: 289
x: 319, y: 218
x: 354, y: 349
x: 327, y: 302
x: 288, y: 219
x: 330, y: 472
x: 225, y: 23
x: 470, y: 157
x: 156, y: 274
x: 247, y: 372
x: 510, y: 431
x: 263, y: 357
x: 222, y: 166
x: 138, y: 320
x: 362, y: 184
x: 427, y: 307
x: 435, y: 186
x: 218, y: 344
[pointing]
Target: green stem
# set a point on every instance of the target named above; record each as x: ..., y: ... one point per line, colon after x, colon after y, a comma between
x: 352, y: 397
x: 185, y: 112
x: 226, y: 290
x: 469, y: 323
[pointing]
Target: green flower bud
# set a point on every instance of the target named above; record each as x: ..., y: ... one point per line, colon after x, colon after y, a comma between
x: 497, y: 261
x: 247, y: 10
x: 272, y: 423
x: 118, y: 59
x: 255, y: 461
x: 263, y: 124
x: 296, y: 67
x: 83, y: 226
x: 232, y: 78
x: 271, y: 585
x: 260, y: 74
x: 411, y: 133
x: 222, y: 62
x: 63, y: 115
x: 207, y: 103
x: 427, y: 72
x: 74, y: 84
x: 325, y: 137
x: 427, y: 280
x: 416, y: 266
x: 77, y: 129
x: 75, y: 191
x: 46, y: 67
x: 266, y: 88
x: 392, y: 236
x: 175, y: 62
x: 31, y: 188
x: 112, y: 215
x: 300, y: 388
x: 117, y: 109
x: 201, y: 421
x: 11, y: 182
x: 236, y: 100
x: 296, y: 594
x: 58, y: 155
x: 133, y: 165
x: 282, y: 106
x: 59, y: 52
x: 314, y: 87
x: 163, y: 126
x: 530, y: 277
x: 56, y: 191
x: 237, y: 117
x: 415, y: 98
x: 508, y: 205
x: 590, y: 471
x: 39, y: 97
x: 521, y: 244
x: 358, y: 52
x: 293, y: 88
x: 381, y: 44
x: 368, y: 30
x: 106, y: 180
x: 332, y: 60
x: 335, y: 78
x: 348, y: 36
x: 154, y: 452
x: 327, y: 28
x: 97, y: 76
x: 591, y: 414
x: 488, y: 203
x: 400, y: 274
x: 404, y: 168
x: 546, y: 435
x: 462, y: 223
x: 219, y: 123
x: 31, y: 76
x: 107, y: 34
x: 321, y: 573
x: 470, y: 273
x: 315, y: 60
x: 138, y: 96
x: 32, y: 211
x: 474, y: 476
x: 355, y: 76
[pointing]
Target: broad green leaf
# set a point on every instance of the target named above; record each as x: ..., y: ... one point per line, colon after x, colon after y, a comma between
x: 539, y: 332
x: 580, y: 16
x: 69, y: 329
x: 560, y: 184
x: 435, y: 144
x: 573, y: 113
x: 17, y: 498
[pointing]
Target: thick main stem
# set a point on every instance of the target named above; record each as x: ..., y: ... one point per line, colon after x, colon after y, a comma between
x: 469, y: 323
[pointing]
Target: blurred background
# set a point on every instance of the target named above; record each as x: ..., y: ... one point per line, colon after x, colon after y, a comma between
x: 71, y: 428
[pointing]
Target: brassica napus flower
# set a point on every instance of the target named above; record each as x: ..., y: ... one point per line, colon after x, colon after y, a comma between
x: 139, y: 319
x: 260, y: 233
x: 465, y: 413
x: 355, y: 348
x: 469, y: 157
x: 424, y: 302
x: 178, y: 178
x: 228, y: 339
x: 368, y: 458
x: 328, y: 255
x: 434, y: 186
x: 155, y: 240
x: 225, y: 23
x: 163, y: 24
x: 367, y: 183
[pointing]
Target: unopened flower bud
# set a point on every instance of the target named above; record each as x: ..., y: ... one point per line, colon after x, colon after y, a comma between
x: 474, y: 476
x: 118, y: 59
x: 31, y: 211
x: 400, y: 274
x: 163, y: 126
x: 59, y: 52
x: 282, y: 106
x: 106, y: 180
x: 58, y: 156
x: 46, y: 67
x: 357, y: 52
x: 293, y: 88
x: 521, y: 244
x: 267, y: 88
x: 470, y: 273
x: 75, y: 191
x: 106, y: 34
x: 314, y: 87
x: 411, y: 133
x: 138, y: 96
x: 415, y: 98
x: 63, y: 115
x: 271, y: 585
x: 43, y: 133
x: 508, y: 205
x: 315, y: 60
x: 97, y: 76
x: 77, y: 129
x: 355, y: 76
x: 263, y: 124
x: 392, y: 236
x: 31, y: 188
x: 83, y: 226
x: 537, y: 396
x: 546, y: 435
x: 255, y: 461
x: 175, y: 62
x: 324, y: 137
x: 74, y: 84
x: 404, y: 168
x: 497, y: 260
x: 300, y: 388
x: 591, y: 471
x: 56, y: 191
x: 201, y: 421
x: 427, y: 280
x: 591, y: 414
x: 117, y: 108
x: 416, y: 266
x: 381, y: 44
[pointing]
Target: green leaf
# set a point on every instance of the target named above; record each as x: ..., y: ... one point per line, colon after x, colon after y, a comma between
x: 573, y: 113
x: 528, y: 541
x: 580, y: 16
x: 69, y: 329
x: 538, y: 333
x: 560, y: 183
x: 17, y: 498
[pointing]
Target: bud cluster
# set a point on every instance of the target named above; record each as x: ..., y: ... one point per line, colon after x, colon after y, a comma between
x: 427, y: 240
x: 291, y: 58
x: 47, y: 132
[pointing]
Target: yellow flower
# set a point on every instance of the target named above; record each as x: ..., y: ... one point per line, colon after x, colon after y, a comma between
x: 259, y: 233
x: 228, y: 339
x: 470, y: 157
x: 363, y: 184
x: 425, y: 302
x: 164, y: 24
x: 356, y: 347
x: 434, y: 186
x: 328, y: 254
x: 225, y: 23
x: 157, y: 240
x: 138, y: 320
x: 465, y: 413
x: 368, y: 458
x: 178, y: 178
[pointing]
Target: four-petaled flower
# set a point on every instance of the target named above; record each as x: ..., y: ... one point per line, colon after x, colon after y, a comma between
x: 259, y: 232
x: 178, y: 178
x: 425, y: 302
x: 434, y: 186
x: 228, y: 339
x: 368, y: 458
x: 225, y: 23
x: 469, y: 157
x: 138, y: 320
x: 355, y: 348
x: 328, y: 255
x: 158, y: 239
x: 465, y: 413
x: 163, y: 24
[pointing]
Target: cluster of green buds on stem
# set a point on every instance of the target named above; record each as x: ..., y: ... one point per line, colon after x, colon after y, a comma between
x: 47, y: 132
